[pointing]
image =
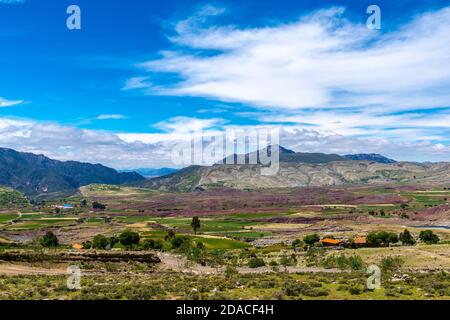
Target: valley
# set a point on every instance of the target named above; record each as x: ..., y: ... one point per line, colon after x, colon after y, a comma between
x: 252, y: 239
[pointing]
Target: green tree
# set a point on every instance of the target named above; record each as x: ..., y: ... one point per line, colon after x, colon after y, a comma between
x: 381, y: 238
x: 128, y: 238
x: 297, y: 243
x: 148, y: 244
x: 406, y: 238
x: 428, y: 236
x: 98, y: 206
x: 311, y: 239
x: 256, y: 262
x: 170, y: 234
x: 195, y: 224
x: 177, y: 242
x: 49, y: 240
x: 100, y: 242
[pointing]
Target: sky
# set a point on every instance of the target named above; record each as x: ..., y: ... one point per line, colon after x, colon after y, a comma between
x: 140, y: 76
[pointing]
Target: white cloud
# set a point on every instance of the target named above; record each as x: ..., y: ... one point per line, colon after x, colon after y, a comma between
x: 12, y: 1
x: 322, y: 60
x: 133, y: 150
x: 180, y: 125
x: 136, y: 83
x: 111, y: 117
x: 9, y: 103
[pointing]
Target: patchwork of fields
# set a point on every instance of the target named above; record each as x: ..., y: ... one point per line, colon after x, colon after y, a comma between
x: 249, y: 235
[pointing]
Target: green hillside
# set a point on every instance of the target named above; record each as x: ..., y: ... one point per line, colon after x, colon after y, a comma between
x: 11, y: 198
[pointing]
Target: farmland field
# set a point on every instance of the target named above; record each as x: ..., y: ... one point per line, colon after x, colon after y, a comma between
x: 254, y: 238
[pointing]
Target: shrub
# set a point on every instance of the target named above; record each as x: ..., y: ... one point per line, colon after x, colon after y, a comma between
x: 381, y: 238
x: 177, y: 242
x: 406, y: 238
x: 128, y: 238
x: 428, y: 236
x: 100, y: 242
x: 297, y: 243
x: 98, y: 206
x: 148, y: 244
x: 49, y: 240
x: 311, y: 239
x: 256, y: 262
x: 391, y: 263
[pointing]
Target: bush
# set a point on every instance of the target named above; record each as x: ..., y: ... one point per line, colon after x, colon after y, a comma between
x: 49, y: 240
x: 311, y: 239
x: 177, y: 242
x: 297, y: 243
x: 355, y: 290
x: 381, y: 238
x: 100, y: 242
x: 128, y: 238
x: 98, y: 206
x: 391, y: 263
x: 148, y: 244
x: 256, y: 262
x: 428, y: 236
x: 406, y: 238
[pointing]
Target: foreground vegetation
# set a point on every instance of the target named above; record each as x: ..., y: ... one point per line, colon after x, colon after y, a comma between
x: 230, y: 286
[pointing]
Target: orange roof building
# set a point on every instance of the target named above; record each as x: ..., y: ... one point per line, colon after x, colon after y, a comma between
x: 77, y: 246
x: 360, y: 240
x: 331, y: 242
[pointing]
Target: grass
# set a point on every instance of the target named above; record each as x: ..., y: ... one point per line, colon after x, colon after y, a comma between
x: 6, y: 217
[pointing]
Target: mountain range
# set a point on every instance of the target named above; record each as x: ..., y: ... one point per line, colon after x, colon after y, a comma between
x: 36, y: 175
x: 302, y: 170
x: 39, y: 176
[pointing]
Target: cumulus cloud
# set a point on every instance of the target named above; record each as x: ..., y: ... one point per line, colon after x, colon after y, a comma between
x: 321, y: 60
x: 135, y: 150
x: 8, y: 103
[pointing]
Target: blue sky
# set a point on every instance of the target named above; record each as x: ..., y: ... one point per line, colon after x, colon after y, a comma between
x: 141, y: 74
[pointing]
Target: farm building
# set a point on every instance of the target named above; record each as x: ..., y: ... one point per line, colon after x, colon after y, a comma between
x: 360, y: 241
x: 330, y: 242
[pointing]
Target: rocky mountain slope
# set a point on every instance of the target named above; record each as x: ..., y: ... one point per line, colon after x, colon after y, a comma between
x: 294, y: 173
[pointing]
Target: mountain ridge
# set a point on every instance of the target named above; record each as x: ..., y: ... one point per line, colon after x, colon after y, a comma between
x: 35, y: 175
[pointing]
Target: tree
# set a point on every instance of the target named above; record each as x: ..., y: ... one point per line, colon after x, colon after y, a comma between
x: 195, y: 224
x: 100, y: 242
x: 256, y: 262
x: 170, y: 234
x: 381, y: 238
x: 128, y: 238
x: 98, y: 206
x: 49, y: 240
x: 297, y: 243
x: 148, y: 244
x: 112, y: 241
x: 177, y: 242
x: 428, y: 236
x: 406, y: 238
x: 311, y: 239
x: 83, y: 203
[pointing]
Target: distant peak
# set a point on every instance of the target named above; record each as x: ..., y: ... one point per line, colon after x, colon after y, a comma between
x: 369, y: 157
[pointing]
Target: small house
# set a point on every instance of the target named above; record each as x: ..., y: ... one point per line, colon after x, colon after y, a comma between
x: 331, y: 242
x: 360, y: 241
